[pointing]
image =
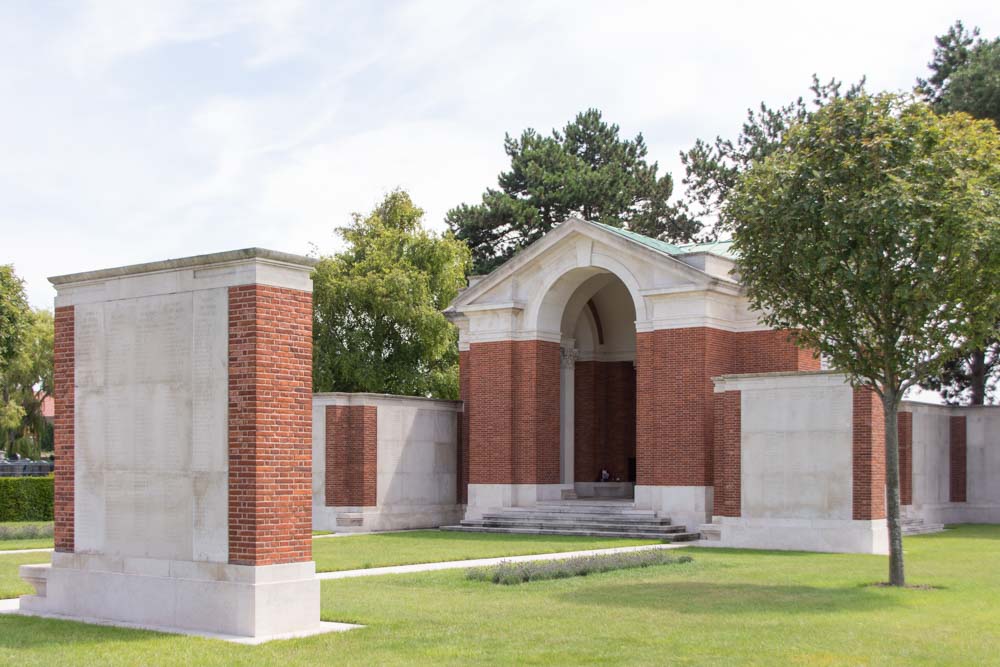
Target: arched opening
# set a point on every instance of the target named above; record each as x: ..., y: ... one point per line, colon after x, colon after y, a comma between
x: 597, y: 388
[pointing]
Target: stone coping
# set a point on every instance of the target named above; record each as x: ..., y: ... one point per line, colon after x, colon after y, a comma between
x: 364, y: 398
x: 783, y: 379
x: 211, y: 259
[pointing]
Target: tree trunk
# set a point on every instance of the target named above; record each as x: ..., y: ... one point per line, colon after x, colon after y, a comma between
x: 977, y: 377
x: 890, y: 408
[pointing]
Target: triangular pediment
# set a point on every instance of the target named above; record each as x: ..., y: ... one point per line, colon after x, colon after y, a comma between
x: 646, y: 267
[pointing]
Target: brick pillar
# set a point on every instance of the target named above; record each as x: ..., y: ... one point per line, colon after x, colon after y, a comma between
x: 351, y: 455
x: 462, y: 458
x: 514, y: 412
x: 270, y: 425
x: 957, y: 460
x: 905, y: 427
x: 536, y: 412
x: 64, y: 379
x: 490, y: 411
x: 868, y: 455
x: 728, y: 441
x: 674, y: 398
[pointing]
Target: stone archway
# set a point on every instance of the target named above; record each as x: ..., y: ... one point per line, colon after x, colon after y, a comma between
x: 597, y: 388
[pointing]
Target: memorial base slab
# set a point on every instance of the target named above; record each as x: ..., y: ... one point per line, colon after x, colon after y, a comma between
x: 238, y: 601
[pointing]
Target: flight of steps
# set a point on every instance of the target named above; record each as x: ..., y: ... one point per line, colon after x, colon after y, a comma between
x: 914, y: 526
x: 587, y: 518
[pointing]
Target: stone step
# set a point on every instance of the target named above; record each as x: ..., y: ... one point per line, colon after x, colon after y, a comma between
x: 575, y: 508
x: 670, y: 537
x: 922, y: 528
x: 573, y: 525
x: 711, y: 532
x: 579, y: 517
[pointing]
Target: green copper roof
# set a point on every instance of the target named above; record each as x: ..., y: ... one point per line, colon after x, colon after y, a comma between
x: 720, y: 248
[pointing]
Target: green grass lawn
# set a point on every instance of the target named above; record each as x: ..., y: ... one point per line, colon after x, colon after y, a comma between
x: 432, y: 546
x: 726, y: 607
x: 11, y: 585
x: 18, y: 528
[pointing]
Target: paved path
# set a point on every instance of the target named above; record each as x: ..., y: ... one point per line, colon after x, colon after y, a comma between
x: 480, y: 562
x: 24, y: 551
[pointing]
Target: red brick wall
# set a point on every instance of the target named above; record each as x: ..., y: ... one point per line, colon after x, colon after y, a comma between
x: 675, y: 394
x: 270, y: 425
x: 462, y: 459
x: 536, y: 412
x: 351, y: 455
x: 728, y: 440
x: 957, y: 459
x: 604, y: 418
x: 770, y: 351
x: 868, y: 455
x: 64, y: 378
x: 511, y: 390
x: 513, y: 412
x: 490, y: 411
x: 905, y: 427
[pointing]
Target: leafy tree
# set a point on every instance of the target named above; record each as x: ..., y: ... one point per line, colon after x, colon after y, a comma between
x: 378, y: 325
x: 588, y: 170
x: 28, y: 381
x: 14, y: 319
x: 972, y: 377
x: 875, y: 231
x: 712, y: 169
x: 966, y: 77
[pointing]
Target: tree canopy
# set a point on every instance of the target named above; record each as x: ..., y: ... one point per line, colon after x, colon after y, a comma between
x: 588, y: 170
x: 378, y: 325
x: 965, y: 76
x: 15, y: 316
x: 875, y: 232
x: 25, y: 384
x: 712, y: 169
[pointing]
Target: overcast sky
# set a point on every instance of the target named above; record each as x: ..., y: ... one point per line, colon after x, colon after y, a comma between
x: 141, y: 130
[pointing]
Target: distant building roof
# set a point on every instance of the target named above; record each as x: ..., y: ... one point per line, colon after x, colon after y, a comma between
x: 48, y: 407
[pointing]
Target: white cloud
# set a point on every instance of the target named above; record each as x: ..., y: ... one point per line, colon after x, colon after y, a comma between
x: 140, y: 130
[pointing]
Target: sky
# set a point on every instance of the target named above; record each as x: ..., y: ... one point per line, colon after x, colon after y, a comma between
x: 142, y: 130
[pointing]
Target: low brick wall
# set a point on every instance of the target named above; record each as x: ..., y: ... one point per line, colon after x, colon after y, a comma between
x: 384, y: 462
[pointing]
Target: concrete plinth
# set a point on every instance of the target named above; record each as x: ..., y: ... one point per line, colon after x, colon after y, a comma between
x: 688, y: 506
x: 206, y: 597
x: 826, y: 535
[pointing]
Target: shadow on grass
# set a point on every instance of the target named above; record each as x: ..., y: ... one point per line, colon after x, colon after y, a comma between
x: 708, y: 598
x: 965, y: 531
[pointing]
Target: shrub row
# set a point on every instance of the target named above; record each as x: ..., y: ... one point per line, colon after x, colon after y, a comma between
x: 26, y: 498
x: 25, y: 530
x: 508, y: 573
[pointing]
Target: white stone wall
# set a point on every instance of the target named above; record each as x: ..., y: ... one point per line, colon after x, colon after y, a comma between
x: 797, y: 466
x: 932, y: 470
x: 417, y: 464
x: 151, y: 423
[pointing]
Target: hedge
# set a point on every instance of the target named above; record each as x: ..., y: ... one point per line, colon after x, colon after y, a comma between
x: 508, y: 573
x: 26, y: 498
